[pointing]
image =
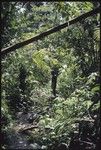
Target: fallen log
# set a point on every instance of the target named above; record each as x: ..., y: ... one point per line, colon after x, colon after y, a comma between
x: 28, y: 128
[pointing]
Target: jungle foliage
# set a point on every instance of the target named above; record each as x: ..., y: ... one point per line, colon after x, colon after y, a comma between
x: 71, y: 119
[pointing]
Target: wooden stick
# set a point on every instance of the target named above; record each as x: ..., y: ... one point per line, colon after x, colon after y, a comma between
x: 28, y: 128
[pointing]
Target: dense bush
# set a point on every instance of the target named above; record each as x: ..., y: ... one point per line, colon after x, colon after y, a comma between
x: 71, y: 118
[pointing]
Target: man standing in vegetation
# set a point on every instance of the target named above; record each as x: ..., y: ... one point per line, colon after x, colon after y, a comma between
x: 54, y: 73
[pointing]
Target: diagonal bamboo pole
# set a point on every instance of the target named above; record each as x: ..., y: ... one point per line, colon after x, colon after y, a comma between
x: 48, y: 32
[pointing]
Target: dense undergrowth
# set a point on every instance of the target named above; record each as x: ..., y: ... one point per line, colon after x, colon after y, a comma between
x: 71, y: 119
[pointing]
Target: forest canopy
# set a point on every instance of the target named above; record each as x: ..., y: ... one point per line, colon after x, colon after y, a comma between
x: 50, y: 85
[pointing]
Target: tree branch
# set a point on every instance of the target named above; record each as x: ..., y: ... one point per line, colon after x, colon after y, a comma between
x: 89, y: 143
x: 48, y: 32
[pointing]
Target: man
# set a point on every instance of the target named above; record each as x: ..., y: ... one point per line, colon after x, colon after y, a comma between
x: 54, y: 73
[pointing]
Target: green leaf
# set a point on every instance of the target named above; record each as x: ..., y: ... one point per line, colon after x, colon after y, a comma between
x: 95, y: 89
